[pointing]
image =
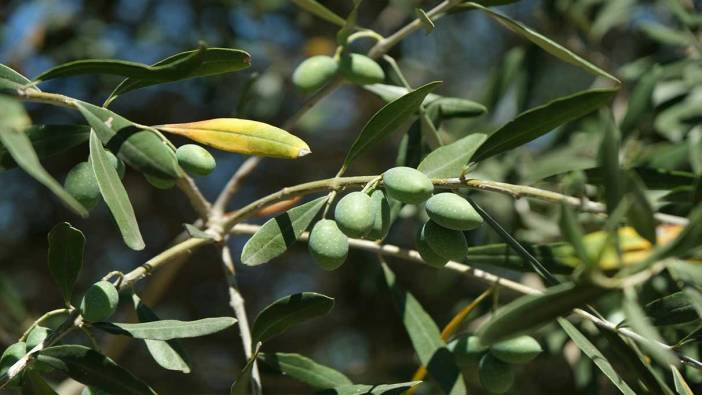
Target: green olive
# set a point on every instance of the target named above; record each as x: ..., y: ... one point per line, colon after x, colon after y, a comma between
x: 521, y: 349
x: 407, y: 185
x: 455, y: 107
x: 100, y: 302
x: 328, y: 245
x: 452, y: 211
x: 447, y: 243
x: 380, y: 207
x: 354, y: 215
x: 160, y: 183
x: 314, y: 72
x: 12, y: 354
x: 81, y: 184
x: 495, y: 375
x: 360, y: 69
x: 467, y: 350
x: 426, y: 252
x: 116, y: 163
x: 195, y: 159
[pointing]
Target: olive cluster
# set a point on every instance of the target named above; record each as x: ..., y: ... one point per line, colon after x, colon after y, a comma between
x: 81, y: 183
x: 316, y: 71
x: 360, y: 215
x: 493, y: 366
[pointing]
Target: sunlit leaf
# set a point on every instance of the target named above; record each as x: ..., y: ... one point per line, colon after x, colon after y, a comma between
x: 681, y: 386
x: 277, y: 234
x: 168, y: 329
x: 449, y: 160
x: 66, y: 247
x: 288, y: 311
x: 10, y: 79
x: 89, y: 367
x: 305, y: 370
x: 242, y: 136
x: 388, y: 120
x: 426, y: 338
x: 114, y: 194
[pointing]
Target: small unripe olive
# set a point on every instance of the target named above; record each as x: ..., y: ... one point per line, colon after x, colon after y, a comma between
x: 81, y: 184
x: 521, y: 349
x: 314, y: 72
x: 12, y: 354
x: 328, y: 245
x: 160, y: 183
x: 116, y: 163
x: 353, y: 214
x: 195, y: 159
x: 380, y: 207
x: 360, y: 69
x: 452, y: 211
x: 455, y: 107
x: 407, y: 185
x: 495, y: 375
x: 36, y: 336
x: 426, y: 252
x: 447, y: 243
x: 100, y: 302
x: 467, y: 350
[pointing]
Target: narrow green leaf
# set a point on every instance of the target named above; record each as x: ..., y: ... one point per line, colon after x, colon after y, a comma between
x: 545, y: 43
x: 10, y: 79
x: 34, y: 384
x: 671, y: 309
x: 13, y: 120
x: 393, y: 92
x: 449, y: 160
x: 115, y: 195
x: 168, y: 329
x: 168, y: 354
x: 609, y: 162
x: 687, y: 240
x: 66, y: 247
x: 638, y: 321
x: 424, y: 18
x: 89, y: 367
x: 640, y: 213
x: 538, y: 121
x: 314, y: 7
x: 388, y: 119
x: 640, y: 101
x: 529, y: 312
x: 349, y: 24
x: 681, y: 386
x: 288, y: 311
x: 214, y: 61
x: 48, y: 140
x: 243, y: 381
x: 305, y: 370
x: 595, y: 355
x: 574, y: 233
x: 653, y: 178
x: 426, y: 338
x: 139, y: 148
x: 366, y: 389
x: 277, y: 234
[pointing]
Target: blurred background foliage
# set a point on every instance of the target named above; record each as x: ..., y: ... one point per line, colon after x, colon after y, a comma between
x: 653, y: 46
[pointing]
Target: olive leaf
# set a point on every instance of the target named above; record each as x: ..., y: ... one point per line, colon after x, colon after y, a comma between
x: 529, y: 312
x: 653, y: 178
x: 424, y: 18
x: 388, y: 120
x: 168, y: 329
x: 589, y: 349
x: 285, y: 312
x: 672, y: 309
x: 89, y: 367
x: 366, y: 389
x: 243, y: 381
x: 426, y: 338
x: 641, y: 100
x: 115, y: 195
x: 34, y: 384
x: 545, y: 43
x: 66, y: 247
x: 242, y: 136
x: 214, y: 61
x: 637, y: 320
x: 13, y: 120
x: 540, y: 120
x: 277, y: 234
x: 139, y: 148
x: 574, y: 233
x: 10, y: 79
x: 168, y: 354
x: 609, y: 161
x: 316, y: 8
x: 48, y: 140
x: 305, y: 370
x: 681, y: 386
x: 449, y: 160
x: 640, y: 213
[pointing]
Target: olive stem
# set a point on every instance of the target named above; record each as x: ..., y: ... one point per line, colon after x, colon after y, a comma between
x: 43, y: 318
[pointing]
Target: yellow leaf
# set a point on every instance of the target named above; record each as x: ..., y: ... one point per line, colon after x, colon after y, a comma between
x: 242, y: 136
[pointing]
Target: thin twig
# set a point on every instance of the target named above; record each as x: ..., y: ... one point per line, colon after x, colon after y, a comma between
x: 236, y: 301
x: 244, y: 170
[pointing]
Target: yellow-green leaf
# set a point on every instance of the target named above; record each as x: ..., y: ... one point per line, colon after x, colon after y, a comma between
x: 242, y: 136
